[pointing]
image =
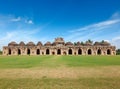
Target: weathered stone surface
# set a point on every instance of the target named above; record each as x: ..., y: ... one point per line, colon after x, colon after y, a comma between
x: 59, y: 47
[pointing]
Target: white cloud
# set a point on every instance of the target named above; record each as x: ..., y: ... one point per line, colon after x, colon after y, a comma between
x: 98, y: 26
x: 30, y: 22
x: 106, y: 23
x: 19, y: 31
x: 98, y: 31
x: 116, y: 15
x: 16, y: 19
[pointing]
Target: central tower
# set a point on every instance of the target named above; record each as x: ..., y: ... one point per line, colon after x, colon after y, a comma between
x: 59, y: 42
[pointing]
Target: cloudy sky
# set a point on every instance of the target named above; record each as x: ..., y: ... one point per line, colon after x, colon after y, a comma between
x: 74, y: 20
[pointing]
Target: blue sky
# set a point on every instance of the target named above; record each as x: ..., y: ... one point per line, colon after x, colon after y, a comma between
x: 74, y: 20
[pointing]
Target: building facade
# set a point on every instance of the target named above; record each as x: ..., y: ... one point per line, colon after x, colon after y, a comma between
x: 60, y: 47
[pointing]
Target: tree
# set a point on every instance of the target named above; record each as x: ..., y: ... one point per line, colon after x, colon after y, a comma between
x: 118, y: 52
x: 75, y: 43
x: 90, y: 41
x: 102, y: 41
x: 82, y: 43
x: 0, y: 52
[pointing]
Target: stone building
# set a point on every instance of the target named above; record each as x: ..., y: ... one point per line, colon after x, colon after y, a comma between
x: 59, y: 47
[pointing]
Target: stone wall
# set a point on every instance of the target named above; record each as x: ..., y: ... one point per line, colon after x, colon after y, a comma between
x: 59, y: 47
x: 64, y: 50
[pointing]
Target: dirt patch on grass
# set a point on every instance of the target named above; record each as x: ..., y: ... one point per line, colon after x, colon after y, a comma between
x: 62, y: 72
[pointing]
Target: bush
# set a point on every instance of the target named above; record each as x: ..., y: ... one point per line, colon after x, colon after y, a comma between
x: 0, y: 52
x: 118, y: 52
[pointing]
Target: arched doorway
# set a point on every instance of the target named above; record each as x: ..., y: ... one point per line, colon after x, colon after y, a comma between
x: 53, y: 53
x: 99, y: 52
x: 28, y: 51
x: 70, y: 51
x: 47, y: 51
x: 9, y: 51
x: 89, y: 52
x: 58, y: 51
x: 38, y: 51
x: 64, y: 53
x: 79, y: 52
x: 108, y: 52
x: 19, y: 52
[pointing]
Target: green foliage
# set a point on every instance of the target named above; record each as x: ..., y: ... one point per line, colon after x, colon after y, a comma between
x: 118, y: 52
x: 82, y: 43
x: 0, y: 52
x: 102, y: 41
x: 90, y: 41
x: 75, y: 43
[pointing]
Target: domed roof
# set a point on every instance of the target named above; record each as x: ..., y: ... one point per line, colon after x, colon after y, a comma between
x: 30, y: 44
x: 105, y: 43
x: 59, y: 40
x: 88, y: 43
x: 21, y: 43
x: 69, y: 43
x: 78, y: 43
x: 13, y: 43
x: 39, y: 43
x: 48, y: 43
x: 97, y: 43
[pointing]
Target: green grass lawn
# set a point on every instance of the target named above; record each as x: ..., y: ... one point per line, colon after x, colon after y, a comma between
x: 57, y: 61
x: 59, y: 72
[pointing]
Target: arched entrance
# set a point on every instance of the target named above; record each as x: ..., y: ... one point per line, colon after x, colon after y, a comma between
x: 70, y: 51
x: 9, y: 51
x: 64, y: 53
x: 28, y: 51
x: 79, y: 52
x: 53, y: 53
x: 19, y: 52
x: 99, y: 52
x: 38, y: 51
x: 47, y: 51
x: 89, y: 52
x: 58, y: 51
x: 108, y: 52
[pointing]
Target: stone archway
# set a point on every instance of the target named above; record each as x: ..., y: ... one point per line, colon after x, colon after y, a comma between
x: 9, y: 51
x: 108, y: 52
x: 99, y: 51
x: 19, y: 52
x: 38, y: 51
x: 89, y: 52
x: 79, y: 52
x: 28, y: 51
x: 53, y: 53
x: 58, y: 51
x: 47, y: 51
x: 70, y: 51
x: 64, y: 53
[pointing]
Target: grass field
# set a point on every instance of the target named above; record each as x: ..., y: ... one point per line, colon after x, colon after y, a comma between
x: 59, y: 72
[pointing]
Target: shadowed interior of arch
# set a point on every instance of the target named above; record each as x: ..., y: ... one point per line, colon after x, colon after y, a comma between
x: 108, y: 52
x: 79, y: 52
x: 70, y: 51
x: 19, y: 51
x: 89, y: 51
x: 38, y: 51
x: 9, y: 52
x: 47, y: 51
x: 99, y: 52
x: 58, y: 51
x: 28, y: 51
